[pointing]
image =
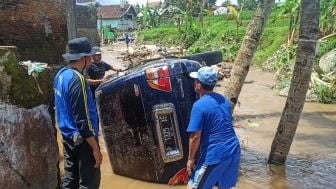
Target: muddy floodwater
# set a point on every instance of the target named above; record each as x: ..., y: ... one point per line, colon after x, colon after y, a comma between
x: 312, y: 159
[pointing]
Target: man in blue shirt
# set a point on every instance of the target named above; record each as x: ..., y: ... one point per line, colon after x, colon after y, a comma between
x: 127, y: 39
x: 212, y: 131
x: 77, y: 119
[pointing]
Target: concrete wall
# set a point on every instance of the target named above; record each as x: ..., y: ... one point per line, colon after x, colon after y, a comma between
x: 106, y: 22
x: 38, y: 28
x: 86, y: 18
x: 117, y: 23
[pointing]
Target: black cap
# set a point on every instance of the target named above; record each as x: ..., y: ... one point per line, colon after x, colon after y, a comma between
x: 78, y: 48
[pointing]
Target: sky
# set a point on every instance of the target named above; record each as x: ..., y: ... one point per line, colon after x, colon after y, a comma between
x: 110, y: 2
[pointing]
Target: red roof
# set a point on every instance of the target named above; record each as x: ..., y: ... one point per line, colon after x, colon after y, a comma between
x: 113, y: 11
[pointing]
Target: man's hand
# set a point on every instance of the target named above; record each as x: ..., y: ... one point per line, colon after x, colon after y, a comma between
x: 95, y: 151
x: 190, y: 166
x: 98, y: 157
x: 117, y: 69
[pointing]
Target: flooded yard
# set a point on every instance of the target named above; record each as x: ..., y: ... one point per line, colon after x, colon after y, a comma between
x: 312, y: 159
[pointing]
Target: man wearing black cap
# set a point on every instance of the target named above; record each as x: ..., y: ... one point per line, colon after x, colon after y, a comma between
x: 77, y: 119
x: 95, y: 74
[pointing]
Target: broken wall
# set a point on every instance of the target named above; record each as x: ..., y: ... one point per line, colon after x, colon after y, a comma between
x: 28, y: 154
x: 38, y: 28
x: 28, y: 146
x: 86, y: 18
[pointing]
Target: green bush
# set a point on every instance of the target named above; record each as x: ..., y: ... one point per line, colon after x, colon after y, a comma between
x: 324, y: 94
x: 325, y: 47
x: 189, y: 35
x: 219, y: 33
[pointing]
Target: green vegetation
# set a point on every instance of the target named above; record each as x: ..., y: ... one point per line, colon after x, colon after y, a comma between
x: 23, y: 90
x: 276, y: 51
x: 326, y: 46
x: 219, y: 33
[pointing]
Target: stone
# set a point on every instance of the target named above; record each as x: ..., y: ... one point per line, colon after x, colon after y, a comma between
x: 28, y: 148
x: 328, y: 62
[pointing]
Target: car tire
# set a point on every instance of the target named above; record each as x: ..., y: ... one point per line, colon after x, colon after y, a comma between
x: 206, y: 59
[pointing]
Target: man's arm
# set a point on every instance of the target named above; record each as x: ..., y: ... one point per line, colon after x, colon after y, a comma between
x: 94, y: 81
x: 194, y: 142
x: 195, y: 129
x: 110, y: 67
x: 95, y: 150
x: 80, y: 112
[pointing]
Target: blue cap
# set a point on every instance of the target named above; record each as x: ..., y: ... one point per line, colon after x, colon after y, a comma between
x: 205, y: 75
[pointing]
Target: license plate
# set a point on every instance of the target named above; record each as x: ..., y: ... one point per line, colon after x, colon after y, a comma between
x: 168, y: 132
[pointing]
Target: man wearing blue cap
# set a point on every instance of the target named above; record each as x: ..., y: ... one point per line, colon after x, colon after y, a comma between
x: 77, y: 119
x: 211, y: 129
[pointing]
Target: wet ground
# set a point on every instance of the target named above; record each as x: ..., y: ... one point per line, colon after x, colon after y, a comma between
x: 312, y: 159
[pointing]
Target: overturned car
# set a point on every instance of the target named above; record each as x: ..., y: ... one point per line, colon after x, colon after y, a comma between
x: 145, y: 113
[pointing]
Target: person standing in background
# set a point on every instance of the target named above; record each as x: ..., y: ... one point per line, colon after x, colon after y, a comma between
x: 127, y: 39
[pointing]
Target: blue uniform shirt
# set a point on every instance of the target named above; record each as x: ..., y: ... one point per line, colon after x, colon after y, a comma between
x: 211, y: 115
x: 75, y: 108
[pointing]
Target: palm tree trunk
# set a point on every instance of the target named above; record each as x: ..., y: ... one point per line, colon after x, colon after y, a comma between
x: 202, y: 4
x: 291, y: 20
x: 247, y: 50
x: 308, y: 35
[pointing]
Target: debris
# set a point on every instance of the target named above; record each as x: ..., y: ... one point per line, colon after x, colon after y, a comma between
x: 181, y: 177
x: 252, y: 124
x: 36, y: 67
x: 142, y: 54
x: 224, y: 71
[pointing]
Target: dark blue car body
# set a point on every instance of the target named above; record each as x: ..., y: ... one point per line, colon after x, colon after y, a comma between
x: 144, y: 127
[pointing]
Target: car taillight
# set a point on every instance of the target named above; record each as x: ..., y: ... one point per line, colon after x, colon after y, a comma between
x: 158, y: 78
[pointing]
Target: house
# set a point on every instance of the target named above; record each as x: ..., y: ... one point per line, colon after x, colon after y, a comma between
x: 221, y: 11
x: 122, y: 18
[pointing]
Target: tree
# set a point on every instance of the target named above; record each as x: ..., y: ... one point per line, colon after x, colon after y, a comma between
x: 211, y: 3
x: 237, y: 16
x: 328, y: 16
x: 308, y: 35
x: 248, y: 4
x: 247, y: 50
x: 226, y: 3
x: 202, y: 5
x: 290, y: 9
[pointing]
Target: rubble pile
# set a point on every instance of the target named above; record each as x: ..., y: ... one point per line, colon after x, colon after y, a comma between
x: 323, y: 79
x: 142, y: 54
x: 224, y: 71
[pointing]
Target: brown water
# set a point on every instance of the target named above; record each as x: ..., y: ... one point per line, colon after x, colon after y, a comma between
x: 312, y: 159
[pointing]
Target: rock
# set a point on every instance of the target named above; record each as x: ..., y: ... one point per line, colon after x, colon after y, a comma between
x: 284, y: 92
x: 328, y: 62
x: 28, y: 148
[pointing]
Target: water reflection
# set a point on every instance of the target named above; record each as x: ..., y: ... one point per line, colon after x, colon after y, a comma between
x: 301, y: 171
